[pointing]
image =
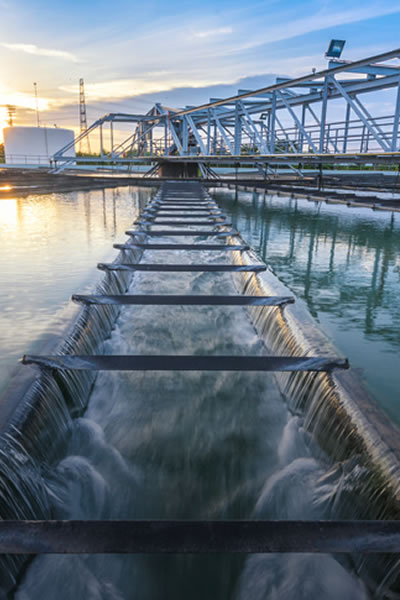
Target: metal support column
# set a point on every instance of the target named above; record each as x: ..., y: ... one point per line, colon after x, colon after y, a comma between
x: 272, y: 126
x: 238, y: 130
x: 303, y: 123
x: 346, y: 127
x: 396, y: 121
x: 208, y: 133
x: 185, y: 135
x: 112, y: 139
x: 101, y: 141
x: 323, y: 115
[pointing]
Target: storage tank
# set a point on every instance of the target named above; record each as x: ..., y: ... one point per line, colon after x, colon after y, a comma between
x: 35, y: 145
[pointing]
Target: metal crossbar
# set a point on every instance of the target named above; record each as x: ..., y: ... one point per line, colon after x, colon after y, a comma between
x: 197, y: 537
x: 160, y: 232
x: 194, y: 203
x: 160, y: 214
x: 167, y: 214
x: 155, y: 536
x: 182, y: 222
x: 223, y: 247
x: 182, y: 209
x: 199, y: 205
x: 186, y: 202
x: 176, y: 267
x: 186, y: 363
x: 197, y: 216
x: 192, y: 300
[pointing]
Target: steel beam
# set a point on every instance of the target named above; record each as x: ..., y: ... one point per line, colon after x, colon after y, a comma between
x: 298, y: 123
x: 233, y: 123
x: 395, y: 131
x: 198, y: 537
x: 182, y: 362
x: 359, y: 113
x: 293, y: 82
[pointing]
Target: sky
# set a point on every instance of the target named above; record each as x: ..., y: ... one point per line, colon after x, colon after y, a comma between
x: 132, y: 54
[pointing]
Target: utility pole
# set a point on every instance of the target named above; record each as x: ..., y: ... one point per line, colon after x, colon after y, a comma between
x: 82, y: 115
x: 37, y: 105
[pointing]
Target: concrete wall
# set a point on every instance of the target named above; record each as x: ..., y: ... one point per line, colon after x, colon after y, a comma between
x: 35, y: 145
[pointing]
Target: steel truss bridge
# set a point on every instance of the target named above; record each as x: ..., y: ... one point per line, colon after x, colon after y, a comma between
x: 284, y: 123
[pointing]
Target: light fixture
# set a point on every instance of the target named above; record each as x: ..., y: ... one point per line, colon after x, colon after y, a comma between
x: 335, y: 48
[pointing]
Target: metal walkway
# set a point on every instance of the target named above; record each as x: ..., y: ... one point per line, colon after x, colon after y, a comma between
x: 289, y: 122
x: 192, y: 536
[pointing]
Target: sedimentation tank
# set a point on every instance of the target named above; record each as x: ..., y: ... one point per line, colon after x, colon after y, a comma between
x: 35, y: 145
x: 303, y: 445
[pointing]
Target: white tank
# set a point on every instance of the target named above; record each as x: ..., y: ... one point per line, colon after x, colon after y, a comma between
x: 35, y: 145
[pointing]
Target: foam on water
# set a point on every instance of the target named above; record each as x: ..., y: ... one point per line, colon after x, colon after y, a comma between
x: 192, y: 445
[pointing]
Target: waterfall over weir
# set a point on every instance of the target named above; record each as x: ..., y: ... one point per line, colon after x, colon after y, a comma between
x: 197, y: 444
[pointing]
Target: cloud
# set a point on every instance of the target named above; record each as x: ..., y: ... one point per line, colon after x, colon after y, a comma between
x: 186, y: 54
x: 214, y: 32
x: 129, y: 88
x: 23, y: 99
x: 208, y: 50
x: 33, y: 49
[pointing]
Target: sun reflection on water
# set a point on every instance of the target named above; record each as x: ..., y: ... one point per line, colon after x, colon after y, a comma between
x: 49, y: 247
x: 8, y: 214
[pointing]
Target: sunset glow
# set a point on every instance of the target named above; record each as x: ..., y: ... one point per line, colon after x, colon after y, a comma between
x: 199, y: 300
x: 170, y: 54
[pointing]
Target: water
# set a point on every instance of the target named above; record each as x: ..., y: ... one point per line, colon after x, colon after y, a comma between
x: 190, y: 445
x: 345, y: 264
x: 49, y: 247
x: 184, y: 445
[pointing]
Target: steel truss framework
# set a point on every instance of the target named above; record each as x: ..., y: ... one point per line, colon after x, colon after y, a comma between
x: 286, y: 121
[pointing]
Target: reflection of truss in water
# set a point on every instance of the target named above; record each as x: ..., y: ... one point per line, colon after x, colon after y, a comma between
x: 284, y: 122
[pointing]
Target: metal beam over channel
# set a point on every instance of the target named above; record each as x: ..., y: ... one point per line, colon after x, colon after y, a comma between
x: 186, y: 363
x: 197, y: 537
x: 321, y: 115
x: 192, y: 536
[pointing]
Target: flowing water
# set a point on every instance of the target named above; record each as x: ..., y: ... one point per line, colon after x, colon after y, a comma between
x: 189, y: 445
x: 192, y: 445
x: 345, y: 263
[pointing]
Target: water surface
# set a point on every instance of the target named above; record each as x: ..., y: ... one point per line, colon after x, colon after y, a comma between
x: 189, y: 445
x: 345, y: 263
x: 49, y: 247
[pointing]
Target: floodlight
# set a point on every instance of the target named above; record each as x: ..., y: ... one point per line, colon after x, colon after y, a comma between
x: 335, y: 48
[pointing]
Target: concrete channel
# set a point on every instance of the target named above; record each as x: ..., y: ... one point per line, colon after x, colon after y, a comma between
x: 321, y: 385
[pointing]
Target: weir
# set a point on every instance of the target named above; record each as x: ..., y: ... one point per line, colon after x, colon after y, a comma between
x: 306, y: 430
